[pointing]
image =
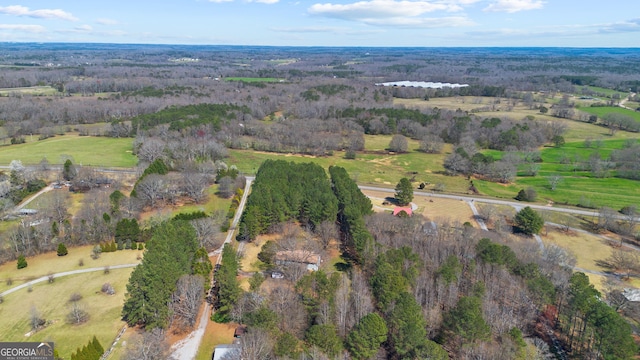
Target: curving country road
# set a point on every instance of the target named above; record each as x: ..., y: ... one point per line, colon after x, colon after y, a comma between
x: 187, y: 348
x: 66, y: 273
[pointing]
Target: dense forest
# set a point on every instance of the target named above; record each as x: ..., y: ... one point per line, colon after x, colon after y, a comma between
x: 408, y: 293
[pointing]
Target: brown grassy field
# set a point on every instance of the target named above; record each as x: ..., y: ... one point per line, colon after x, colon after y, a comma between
x: 49, y: 263
x: 249, y: 261
x: 588, y: 249
x: 51, y: 301
x: 215, y: 334
x: 432, y: 208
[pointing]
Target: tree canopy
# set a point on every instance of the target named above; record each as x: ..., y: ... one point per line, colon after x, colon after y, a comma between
x: 170, y: 254
x: 529, y: 221
x: 404, y: 192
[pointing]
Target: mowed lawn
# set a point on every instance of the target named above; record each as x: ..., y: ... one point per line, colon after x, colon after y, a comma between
x: 51, y: 302
x: 576, y: 186
x: 84, y: 150
x: 49, y: 263
x: 600, y: 111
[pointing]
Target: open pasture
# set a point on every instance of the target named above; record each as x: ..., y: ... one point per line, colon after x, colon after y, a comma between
x: 604, y: 92
x: 30, y: 90
x: 253, y: 79
x: 602, y: 111
x: 589, y: 250
x: 52, y: 302
x: 576, y: 186
x: 84, y: 150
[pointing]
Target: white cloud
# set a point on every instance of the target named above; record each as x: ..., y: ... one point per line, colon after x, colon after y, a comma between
x: 19, y: 10
x: 220, y: 1
x: 417, y: 22
x: 325, y: 30
x: 25, y: 28
x: 379, y: 9
x: 83, y: 28
x: 104, y: 21
x: 512, y: 6
x: 403, y: 13
x: 269, y: 2
x: 632, y: 25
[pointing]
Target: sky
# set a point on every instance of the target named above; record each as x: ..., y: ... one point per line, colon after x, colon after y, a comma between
x: 414, y: 23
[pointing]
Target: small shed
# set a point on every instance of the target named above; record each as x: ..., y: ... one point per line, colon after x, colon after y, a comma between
x: 240, y: 331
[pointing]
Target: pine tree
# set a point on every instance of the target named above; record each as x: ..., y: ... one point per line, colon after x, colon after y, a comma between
x: 404, y: 192
x: 62, y: 249
x: 22, y: 262
x: 97, y: 345
x: 529, y: 221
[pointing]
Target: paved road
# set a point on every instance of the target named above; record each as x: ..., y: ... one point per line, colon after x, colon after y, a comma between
x: 187, y: 348
x: 492, y: 201
x: 66, y: 273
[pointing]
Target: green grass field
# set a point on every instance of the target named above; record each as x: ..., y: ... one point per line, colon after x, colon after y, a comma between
x: 601, y: 111
x: 575, y: 185
x: 253, y: 79
x: 85, y: 150
x: 31, y: 90
x: 606, y: 92
x: 51, y: 301
x: 214, y: 203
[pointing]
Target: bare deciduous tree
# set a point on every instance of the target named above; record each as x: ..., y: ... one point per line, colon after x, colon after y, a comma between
x: 327, y: 231
x: 35, y: 319
x: 361, y: 300
x: 256, y: 344
x: 431, y: 144
x: 207, y: 230
x: 152, y: 346
x: 554, y: 180
x: 186, y: 301
x: 194, y: 185
x: 607, y: 218
x: 151, y: 189
x: 292, y: 315
x: 399, y: 144
x: 77, y: 314
x: 626, y: 261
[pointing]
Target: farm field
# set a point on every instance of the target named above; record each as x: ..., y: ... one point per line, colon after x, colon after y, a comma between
x: 599, y: 91
x: 51, y: 301
x: 588, y: 249
x: 576, y: 187
x: 253, y: 79
x: 31, y: 90
x: 601, y: 111
x: 82, y: 149
x: 374, y: 169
